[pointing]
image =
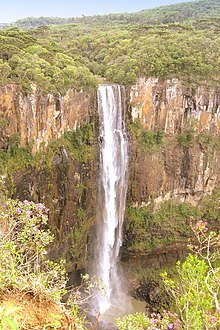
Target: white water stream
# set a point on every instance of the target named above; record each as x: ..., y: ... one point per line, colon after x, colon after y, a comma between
x: 112, y: 192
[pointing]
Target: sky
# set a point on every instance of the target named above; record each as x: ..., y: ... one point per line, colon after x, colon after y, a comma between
x: 11, y: 10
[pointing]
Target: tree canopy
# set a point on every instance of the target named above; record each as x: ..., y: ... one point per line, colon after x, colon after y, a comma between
x: 180, y: 41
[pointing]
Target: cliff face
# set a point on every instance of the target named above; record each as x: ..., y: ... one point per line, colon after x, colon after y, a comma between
x: 175, y: 172
x: 164, y: 105
x: 169, y: 106
x: 63, y: 178
x: 186, y: 166
x: 68, y: 189
x: 174, y: 158
x: 42, y: 118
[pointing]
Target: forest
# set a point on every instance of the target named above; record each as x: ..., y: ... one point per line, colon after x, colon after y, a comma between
x: 180, y: 41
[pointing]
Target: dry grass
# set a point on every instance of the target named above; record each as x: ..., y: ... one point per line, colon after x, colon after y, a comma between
x: 36, y: 312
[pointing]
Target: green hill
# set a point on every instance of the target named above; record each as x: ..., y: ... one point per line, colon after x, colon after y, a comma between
x: 161, y: 15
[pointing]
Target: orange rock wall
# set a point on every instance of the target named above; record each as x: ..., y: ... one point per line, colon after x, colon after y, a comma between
x: 42, y: 118
x: 168, y: 105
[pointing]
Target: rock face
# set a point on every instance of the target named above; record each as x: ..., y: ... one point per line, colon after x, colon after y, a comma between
x: 68, y: 189
x: 168, y: 105
x: 42, y: 118
x: 175, y: 172
x: 181, y: 169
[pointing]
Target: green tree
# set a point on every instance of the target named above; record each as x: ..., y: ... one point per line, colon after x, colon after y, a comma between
x: 5, y: 72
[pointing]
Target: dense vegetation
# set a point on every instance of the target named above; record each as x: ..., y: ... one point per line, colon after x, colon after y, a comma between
x: 180, y: 41
x: 25, y: 59
x: 147, y: 229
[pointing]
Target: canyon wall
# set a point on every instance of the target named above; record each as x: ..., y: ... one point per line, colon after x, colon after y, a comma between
x: 171, y: 107
x: 41, y: 118
x: 61, y: 174
x: 165, y: 105
x: 186, y: 166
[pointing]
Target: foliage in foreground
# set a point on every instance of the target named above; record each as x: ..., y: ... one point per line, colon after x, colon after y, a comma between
x: 6, y: 320
x: 24, y: 239
x: 196, y: 292
x: 27, y: 272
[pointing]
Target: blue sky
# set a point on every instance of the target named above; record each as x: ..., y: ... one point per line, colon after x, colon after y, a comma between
x: 11, y: 10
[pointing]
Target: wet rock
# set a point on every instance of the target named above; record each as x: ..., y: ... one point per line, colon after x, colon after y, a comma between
x: 153, y: 293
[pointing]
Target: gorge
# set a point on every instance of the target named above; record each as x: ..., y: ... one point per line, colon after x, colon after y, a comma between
x: 186, y: 118
x: 178, y: 161
x: 168, y: 168
x: 113, y: 123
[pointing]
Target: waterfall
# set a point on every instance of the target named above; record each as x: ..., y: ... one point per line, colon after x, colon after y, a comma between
x: 112, y: 189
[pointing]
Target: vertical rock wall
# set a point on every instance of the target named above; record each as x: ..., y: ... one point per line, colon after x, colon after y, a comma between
x: 177, y: 170
x: 41, y: 118
x: 67, y: 185
x: 170, y: 106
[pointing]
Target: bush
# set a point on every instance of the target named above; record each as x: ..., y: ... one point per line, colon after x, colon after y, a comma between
x: 145, y: 228
x: 24, y: 239
x: 196, y: 290
x: 186, y: 139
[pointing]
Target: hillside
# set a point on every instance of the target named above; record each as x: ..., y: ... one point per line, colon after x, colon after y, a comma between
x: 161, y: 15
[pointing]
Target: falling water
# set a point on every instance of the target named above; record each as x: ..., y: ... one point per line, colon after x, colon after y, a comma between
x: 113, y: 188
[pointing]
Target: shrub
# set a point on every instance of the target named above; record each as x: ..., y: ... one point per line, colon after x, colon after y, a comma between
x: 196, y: 289
x: 186, y: 139
x: 24, y: 239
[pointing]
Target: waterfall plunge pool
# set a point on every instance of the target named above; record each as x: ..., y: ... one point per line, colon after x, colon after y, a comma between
x: 127, y: 305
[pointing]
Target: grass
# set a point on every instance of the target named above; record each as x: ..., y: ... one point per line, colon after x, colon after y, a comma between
x: 29, y: 312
